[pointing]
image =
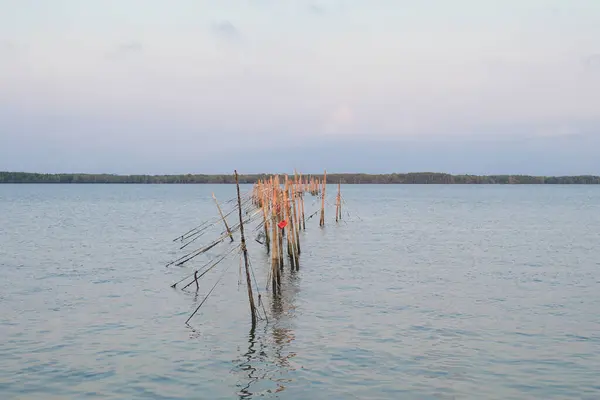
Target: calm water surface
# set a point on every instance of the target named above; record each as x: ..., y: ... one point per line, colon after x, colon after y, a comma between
x: 425, y: 292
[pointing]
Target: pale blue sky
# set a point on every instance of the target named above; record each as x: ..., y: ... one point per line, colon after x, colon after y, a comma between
x: 134, y: 86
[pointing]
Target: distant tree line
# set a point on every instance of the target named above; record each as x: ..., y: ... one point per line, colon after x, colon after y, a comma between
x: 409, y: 178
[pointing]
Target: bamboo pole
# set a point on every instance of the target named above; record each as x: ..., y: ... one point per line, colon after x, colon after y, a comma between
x: 296, y: 224
x: 322, y: 222
x: 245, y: 252
x: 276, y: 279
x: 289, y: 231
x: 280, y: 218
x: 222, y: 217
x: 302, y: 207
x: 340, y: 198
x: 264, y: 206
x: 293, y: 224
x: 337, y: 204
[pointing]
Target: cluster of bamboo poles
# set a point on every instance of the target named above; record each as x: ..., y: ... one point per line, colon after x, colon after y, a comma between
x: 283, y: 218
x: 278, y: 203
x: 281, y: 200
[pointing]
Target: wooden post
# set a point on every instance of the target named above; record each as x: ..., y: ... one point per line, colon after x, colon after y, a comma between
x: 222, y: 217
x: 290, y: 227
x: 245, y: 252
x: 322, y: 222
x: 340, y: 196
x: 279, y: 219
x: 302, y: 207
x: 338, y: 204
x: 296, y: 224
x: 264, y: 205
x: 276, y: 278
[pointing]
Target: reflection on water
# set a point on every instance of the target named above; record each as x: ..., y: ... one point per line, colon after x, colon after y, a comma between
x: 267, y: 360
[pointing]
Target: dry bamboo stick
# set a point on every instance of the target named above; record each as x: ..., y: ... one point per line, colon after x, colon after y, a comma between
x: 280, y: 218
x: 245, y: 252
x: 296, y: 225
x: 264, y: 206
x: 222, y: 217
x: 322, y: 222
x: 337, y: 204
x: 340, y: 198
x: 287, y: 217
x: 275, y: 239
x: 302, y: 207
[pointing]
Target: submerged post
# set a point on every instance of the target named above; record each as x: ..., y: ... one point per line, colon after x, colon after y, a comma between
x: 245, y: 252
x: 222, y: 217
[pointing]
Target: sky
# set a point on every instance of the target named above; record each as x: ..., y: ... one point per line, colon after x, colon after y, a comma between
x: 198, y: 86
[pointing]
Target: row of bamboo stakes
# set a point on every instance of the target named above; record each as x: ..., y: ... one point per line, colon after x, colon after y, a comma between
x: 281, y: 203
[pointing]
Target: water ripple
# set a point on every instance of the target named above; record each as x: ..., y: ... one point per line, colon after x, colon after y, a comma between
x: 436, y: 293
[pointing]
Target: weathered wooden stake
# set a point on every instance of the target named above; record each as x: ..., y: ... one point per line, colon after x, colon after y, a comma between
x: 290, y: 226
x: 340, y: 197
x: 264, y: 206
x: 276, y: 279
x: 302, y: 207
x: 322, y: 222
x: 296, y: 224
x: 245, y: 252
x: 337, y: 204
x: 279, y: 219
x: 222, y: 217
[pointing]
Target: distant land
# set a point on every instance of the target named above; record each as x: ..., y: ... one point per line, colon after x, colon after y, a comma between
x: 346, y: 178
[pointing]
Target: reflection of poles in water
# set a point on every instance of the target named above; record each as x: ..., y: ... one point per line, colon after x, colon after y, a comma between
x: 281, y: 336
x: 246, y: 366
x: 266, y: 359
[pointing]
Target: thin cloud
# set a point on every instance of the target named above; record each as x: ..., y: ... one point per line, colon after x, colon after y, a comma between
x: 124, y: 50
x: 7, y: 48
x: 226, y: 30
x: 340, y: 120
x: 593, y: 62
x: 316, y: 9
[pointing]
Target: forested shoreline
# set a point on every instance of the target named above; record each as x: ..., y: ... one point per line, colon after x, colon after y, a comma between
x: 345, y: 178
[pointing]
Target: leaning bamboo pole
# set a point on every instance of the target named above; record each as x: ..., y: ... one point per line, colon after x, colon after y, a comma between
x: 245, y: 252
x: 223, y: 218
